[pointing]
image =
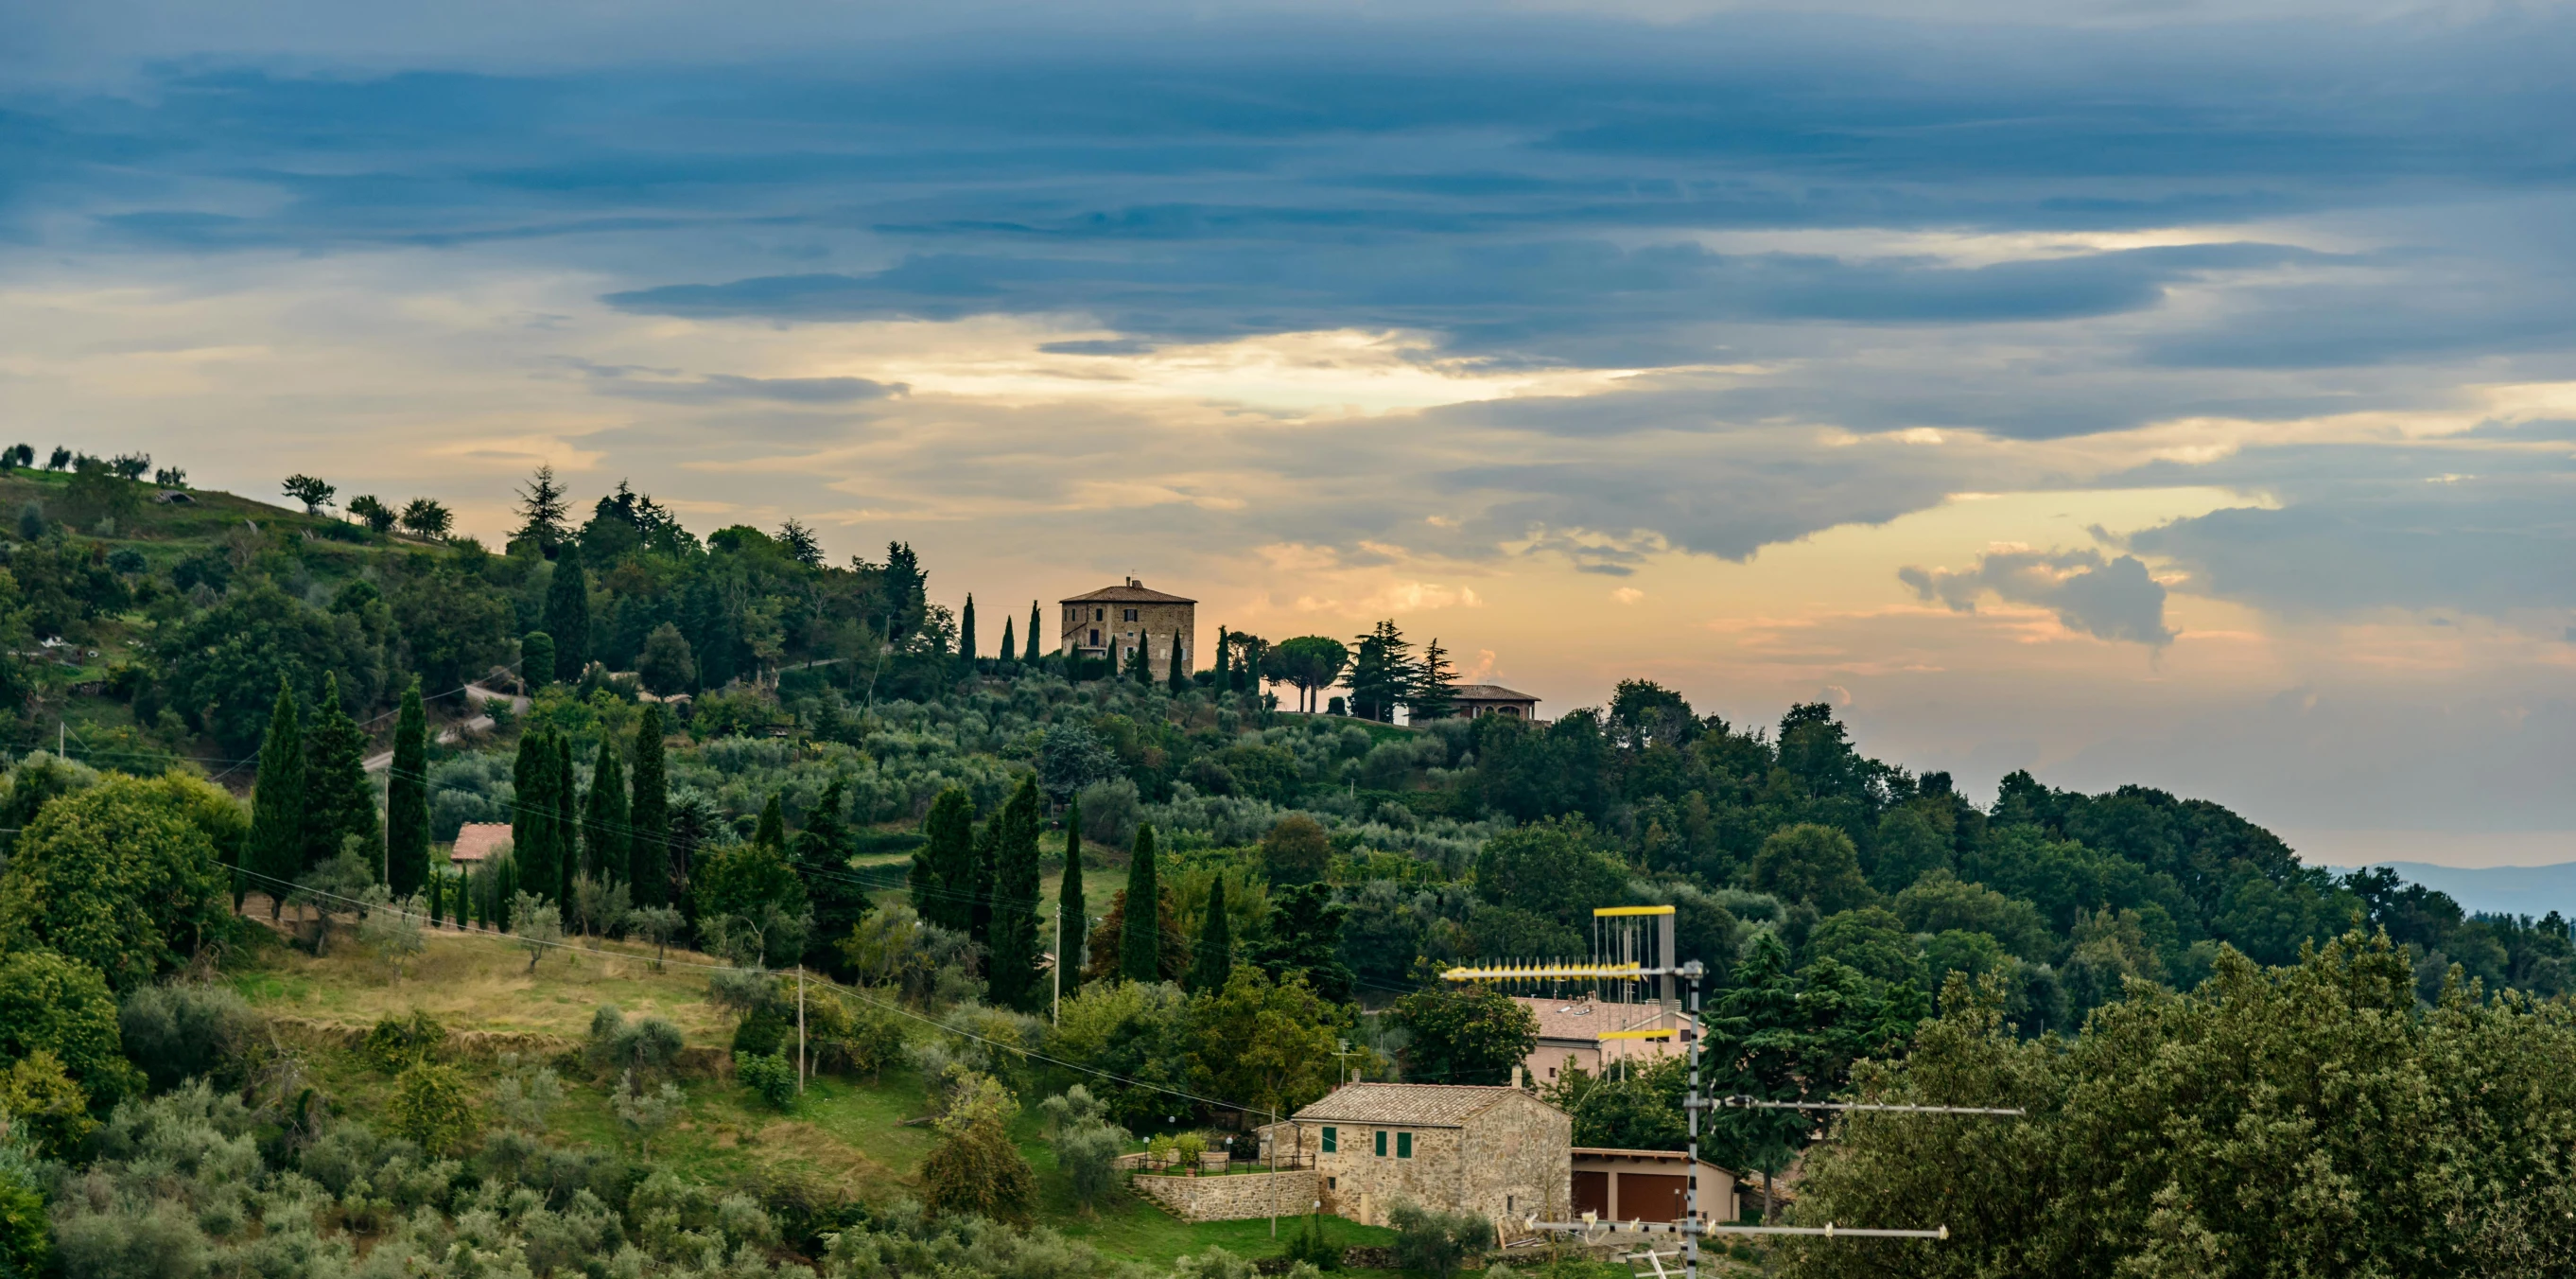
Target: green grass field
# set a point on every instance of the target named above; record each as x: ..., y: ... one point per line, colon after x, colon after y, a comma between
x: 849, y: 1132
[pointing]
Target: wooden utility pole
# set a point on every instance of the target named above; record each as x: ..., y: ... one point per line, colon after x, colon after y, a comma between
x: 800, y: 1029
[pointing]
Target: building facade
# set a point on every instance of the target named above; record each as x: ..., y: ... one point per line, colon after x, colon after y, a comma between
x: 1498, y: 1152
x: 1114, y: 620
x: 1570, y: 1035
x: 1473, y: 700
x: 1649, y: 1185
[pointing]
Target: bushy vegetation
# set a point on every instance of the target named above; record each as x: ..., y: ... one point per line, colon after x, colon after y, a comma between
x: 878, y: 849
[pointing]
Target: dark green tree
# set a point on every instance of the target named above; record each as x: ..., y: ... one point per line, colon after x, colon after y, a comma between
x: 541, y: 510
x: 944, y: 867
x: 606, y: 846
x: 1012, y: 974
x: 771, y: 830
x: 1140, y: 665
x: 665, y: 664
x: 1140, y: 945
x: 966, y: 631
x: 1009, y: 651
x: 1434, y: 691
x: 532, y: 842
x: 1030, y: 655
x: 1176, y: 674
x: 988, y: 862
x: 407, y: 799
x: 537, y: 659
x: 276, y: 853
x: 1074, y: 924
x: 1470, y: 1036
x: 567, y: 823
x: 839, y: 899
x: 1212, y: 961
x: 338, y: 803
x: 1381, y: 673
x: 1221, y: 675
x: 1312, y: 663
x: 1306, y: 940
x: 649, y: 815
x: 568, y: 613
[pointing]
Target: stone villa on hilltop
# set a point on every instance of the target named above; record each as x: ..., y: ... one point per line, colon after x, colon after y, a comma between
x: 1112, y: 621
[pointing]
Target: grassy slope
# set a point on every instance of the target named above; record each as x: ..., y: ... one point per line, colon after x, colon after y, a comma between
x: 849, y: 1131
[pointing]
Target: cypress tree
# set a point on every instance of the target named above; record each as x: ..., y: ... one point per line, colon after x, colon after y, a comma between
x: 568, y: 613
x: 537, y: 660
x: 1140, y: 666
x: 1009, y: 651
x: 1222, y: 676
x: 1176, y: 677
x: 407, y: 802
x: 1011, y: 976
x: 1213, y: 961
x: 945, y: 888
x: 772, y: 830
x: 605, y: 846
x: 435, y: 888
x: 567, y: 820
x: 530, y: 772
x: 505, y: 884
x: 1031, y: 656
x: 979, y: 903
x: 337, y: 799
x: 966, y: 631
x: 822, y: 860
x: 1069, y: 908
x: 1140, y: 943
x: 277, y: 802
x: 648, y: 858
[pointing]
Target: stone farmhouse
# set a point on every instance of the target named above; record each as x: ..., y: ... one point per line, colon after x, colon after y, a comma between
x: 1112, y: 621
x: 1498, y: 1152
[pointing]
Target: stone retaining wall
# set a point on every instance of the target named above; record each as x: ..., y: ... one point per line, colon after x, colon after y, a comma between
x: 1238, y: 1197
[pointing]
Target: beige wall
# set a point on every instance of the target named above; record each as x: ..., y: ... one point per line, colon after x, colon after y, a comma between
x: 1155, y: 623
x: 1716, y: 1185
x: 1511, y: 1159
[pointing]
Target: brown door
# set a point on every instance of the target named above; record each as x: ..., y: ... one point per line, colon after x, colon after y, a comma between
x: 1591, y: 1193
x: 1649, y: 1196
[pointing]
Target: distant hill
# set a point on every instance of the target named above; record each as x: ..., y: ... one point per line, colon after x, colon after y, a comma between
x: 2515, y: 890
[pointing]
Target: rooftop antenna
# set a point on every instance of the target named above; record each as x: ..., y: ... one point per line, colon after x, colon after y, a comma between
x: 1619, y: 958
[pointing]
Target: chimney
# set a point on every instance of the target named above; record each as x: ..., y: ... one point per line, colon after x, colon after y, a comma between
x: 1516, y: 1076
x: 1133, y: 582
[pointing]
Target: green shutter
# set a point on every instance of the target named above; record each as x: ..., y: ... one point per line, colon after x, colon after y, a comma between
x: 1332, y: 1140
x: 1381, y: 1145
x: 1404, y: 1145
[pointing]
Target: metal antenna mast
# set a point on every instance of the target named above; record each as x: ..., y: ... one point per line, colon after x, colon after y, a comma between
x: 1622, y: 964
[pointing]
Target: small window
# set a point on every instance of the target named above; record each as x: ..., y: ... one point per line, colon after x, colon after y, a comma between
x: 1131, y: 615
x: 1332, y: 1183
x: 1332, y: 1140
x: 1381, y: 1145
x: 1100, y: 615
x: 1095, y: 637
x: 1404, y: 1145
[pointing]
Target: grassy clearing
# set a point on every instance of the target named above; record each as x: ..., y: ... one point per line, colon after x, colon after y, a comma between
x: 850, y: 1132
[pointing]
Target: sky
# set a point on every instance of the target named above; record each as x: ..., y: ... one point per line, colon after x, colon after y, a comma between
x: 2170, y: 393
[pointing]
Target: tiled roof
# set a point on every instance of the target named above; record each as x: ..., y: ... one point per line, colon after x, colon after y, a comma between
x: 1488, y: 693
x: 1585, y: 1020
x: 1413, y: 1105
x: 1130, y: 594
x: 476, y: 841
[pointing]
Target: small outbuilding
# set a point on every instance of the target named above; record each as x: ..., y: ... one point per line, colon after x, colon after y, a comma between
x: 1648, y: 1185
x: 479, y: 842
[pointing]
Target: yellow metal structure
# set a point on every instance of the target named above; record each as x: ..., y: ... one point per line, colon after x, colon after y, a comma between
x: 1637, y: 1034
x: 1518, y: 972
x: 1608, y: 912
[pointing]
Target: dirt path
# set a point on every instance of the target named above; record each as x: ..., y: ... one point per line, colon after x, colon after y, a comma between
x: 475, y: 693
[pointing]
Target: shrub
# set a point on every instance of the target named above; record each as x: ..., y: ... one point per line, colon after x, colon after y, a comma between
x: 1088, y: 1153
x: 1436, y: 1242
x: 49, y: 1002
x: 772, y: 1076
x: 1308, y: 1246
x: 183, y: 1032
x: 396, y: 1044
x: 975, y: 1169
x: 39, y: 1099
x: 648, y: 1046
x: 431, y: 1107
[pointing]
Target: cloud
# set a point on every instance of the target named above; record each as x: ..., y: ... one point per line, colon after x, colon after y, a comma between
x: 716, y: 388
x: 2487, y: 546
x: 2108, y: 599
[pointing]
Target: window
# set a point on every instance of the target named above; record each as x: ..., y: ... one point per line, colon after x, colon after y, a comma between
x: 1332, y: 1183
x: 1095, y: 637
x: 1381, y: 1145
x: 1100, y: 615
x: 1404, y: 1145
x: 1332, y: 1140
x: 1131, y: 615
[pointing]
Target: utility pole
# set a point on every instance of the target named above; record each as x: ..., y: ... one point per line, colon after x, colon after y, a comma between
x: 1055, y: 1010
x: 800, y: 1029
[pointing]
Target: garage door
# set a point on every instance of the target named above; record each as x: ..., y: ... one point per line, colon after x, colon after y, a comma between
x: 1592, y: 1193
x: 1647, y: 1196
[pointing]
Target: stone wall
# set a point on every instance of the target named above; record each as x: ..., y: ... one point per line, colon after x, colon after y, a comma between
x: 1230, y: 1198
x: 1511, y: 1159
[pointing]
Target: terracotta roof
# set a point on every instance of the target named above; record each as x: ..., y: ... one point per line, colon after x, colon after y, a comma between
x: 1409, y: 1105
x: 1488, y: 693
x: 1583, y: 1019
x: 1134, y: 592
x: 476, y: 841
